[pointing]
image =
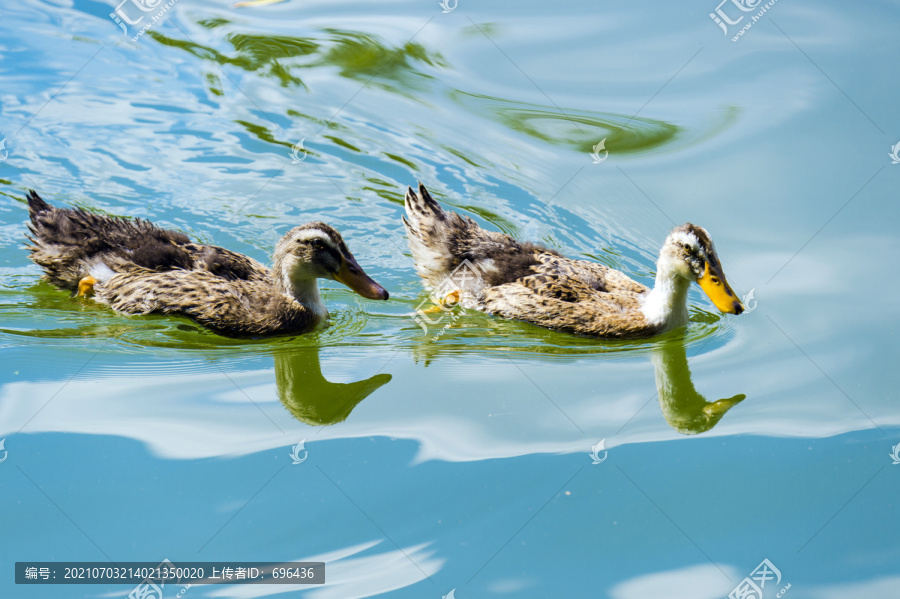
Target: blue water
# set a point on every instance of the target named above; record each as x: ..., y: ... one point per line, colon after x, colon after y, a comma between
x: 461, y: 461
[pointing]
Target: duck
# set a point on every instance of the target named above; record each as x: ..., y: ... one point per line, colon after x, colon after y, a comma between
x: 136, y: 267
x: 464, y: 264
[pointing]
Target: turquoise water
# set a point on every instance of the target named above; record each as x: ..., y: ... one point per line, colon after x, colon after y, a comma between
x: 458, y: 459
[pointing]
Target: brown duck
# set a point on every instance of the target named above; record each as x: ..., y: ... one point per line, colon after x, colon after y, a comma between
x: 494, y: 273
x: 138, y: 268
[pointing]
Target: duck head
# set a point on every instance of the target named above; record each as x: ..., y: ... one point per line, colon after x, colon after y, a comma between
x: 316, y: 251
x: 689, y: 253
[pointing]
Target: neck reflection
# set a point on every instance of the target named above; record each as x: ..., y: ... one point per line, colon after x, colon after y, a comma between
x: 309, y: 396
x: 683, y: 407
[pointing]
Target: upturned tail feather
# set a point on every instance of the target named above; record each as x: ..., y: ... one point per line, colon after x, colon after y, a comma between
x: 423, y: 213
x: 427, y: 234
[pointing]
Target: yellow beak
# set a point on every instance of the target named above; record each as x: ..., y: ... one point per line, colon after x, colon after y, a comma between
x: 715, y: 286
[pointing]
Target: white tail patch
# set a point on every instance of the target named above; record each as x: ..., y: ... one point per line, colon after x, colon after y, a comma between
x: 101, y: 272
x: 432, y: 259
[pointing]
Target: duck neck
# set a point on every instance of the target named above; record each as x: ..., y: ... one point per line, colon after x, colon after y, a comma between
x: 306, y: 292
x: 666, y: 304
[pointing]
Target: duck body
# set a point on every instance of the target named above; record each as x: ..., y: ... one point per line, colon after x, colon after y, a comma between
x: 138, y: 268
x: 231, y: 307
x: 493, y: 272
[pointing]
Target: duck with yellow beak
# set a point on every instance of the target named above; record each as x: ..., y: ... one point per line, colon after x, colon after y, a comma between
x: 492, y: 272
x: 687, y: 255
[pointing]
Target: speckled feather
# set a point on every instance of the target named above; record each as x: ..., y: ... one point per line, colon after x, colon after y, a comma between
x: 522, y: 280
x: 64, y: 241
x: 157, y: 270
x: 233, y: 307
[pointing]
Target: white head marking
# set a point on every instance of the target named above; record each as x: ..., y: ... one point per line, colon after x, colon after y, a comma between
x: 310, y: 234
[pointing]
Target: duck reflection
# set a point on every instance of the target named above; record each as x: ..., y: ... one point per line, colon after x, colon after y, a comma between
x: 682, y: 406
x: 309, y: 396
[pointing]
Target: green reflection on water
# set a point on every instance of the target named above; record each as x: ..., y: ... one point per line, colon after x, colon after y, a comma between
x: 476, y: 333
x: 577, y: 129
x: 357, y: 55
x: 312, y: 399
x: 402, y: 70
x: 263, y: 134
x: 262, y: 49
x: 683, y: 407
x: 365, y: 57
x: 309, y: 396
x: 342, y: 143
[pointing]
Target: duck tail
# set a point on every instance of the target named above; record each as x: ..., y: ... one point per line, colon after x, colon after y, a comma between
x: 36, y: 207
x: 422, y: 211
x: 59, y: 241
x: 36, y: 204
x: 428, y: 228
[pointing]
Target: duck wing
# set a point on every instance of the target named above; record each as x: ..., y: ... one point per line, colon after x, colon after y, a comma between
x: 235, y: 308
x: 226, y: 264
x: 574, y: 296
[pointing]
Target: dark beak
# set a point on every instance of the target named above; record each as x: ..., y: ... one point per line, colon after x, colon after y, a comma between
x: 353, y: 276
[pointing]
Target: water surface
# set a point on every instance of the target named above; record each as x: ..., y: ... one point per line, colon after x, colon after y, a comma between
x: 461, y: 460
